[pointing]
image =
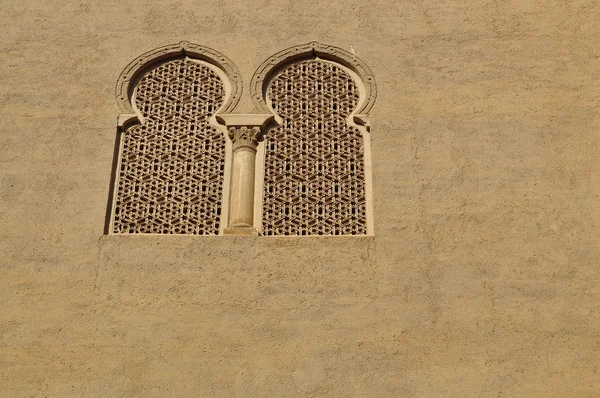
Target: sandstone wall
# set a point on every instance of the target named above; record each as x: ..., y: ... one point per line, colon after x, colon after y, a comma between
x: 481, y: 280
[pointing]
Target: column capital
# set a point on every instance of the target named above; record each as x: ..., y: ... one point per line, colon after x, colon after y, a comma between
x: 245, y: 137
x: 245, y: 130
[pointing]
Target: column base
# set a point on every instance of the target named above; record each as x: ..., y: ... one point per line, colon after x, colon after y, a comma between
x: 240, y: 231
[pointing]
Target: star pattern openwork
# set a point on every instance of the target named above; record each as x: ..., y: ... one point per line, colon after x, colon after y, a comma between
x: 172, y: 165
x: 314, y: 162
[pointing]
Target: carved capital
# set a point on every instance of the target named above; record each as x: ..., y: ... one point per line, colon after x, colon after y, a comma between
x: 245, y: 130
x: 245, y: 136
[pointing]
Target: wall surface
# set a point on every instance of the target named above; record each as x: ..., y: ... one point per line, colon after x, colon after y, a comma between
x: 482, y: 279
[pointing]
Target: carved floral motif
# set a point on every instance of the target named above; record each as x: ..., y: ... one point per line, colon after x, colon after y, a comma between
x: 244, y: 136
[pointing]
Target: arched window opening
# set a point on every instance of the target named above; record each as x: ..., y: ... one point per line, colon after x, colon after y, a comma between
x: 170, y: 171
x: 314, y: 176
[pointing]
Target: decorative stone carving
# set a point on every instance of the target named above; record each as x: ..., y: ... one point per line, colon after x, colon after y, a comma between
x: 245, y: 132
x: 170, y: 174
x: 271, y: 66
x: 245, y: 137
x: 171, y: 165
x: 138, y: 67
x: 314, y: 181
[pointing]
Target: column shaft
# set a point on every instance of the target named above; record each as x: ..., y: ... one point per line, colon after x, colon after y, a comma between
x: 241, y: 191
x: 241, y: 196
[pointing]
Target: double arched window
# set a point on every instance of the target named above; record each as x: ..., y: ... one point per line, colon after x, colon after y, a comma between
x: 187, y: 164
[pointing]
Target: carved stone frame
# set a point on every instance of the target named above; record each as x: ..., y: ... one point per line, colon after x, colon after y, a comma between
x: 365, y: 81
x: 271, y: 66
x: 124, y: 92
x: 136, y: 68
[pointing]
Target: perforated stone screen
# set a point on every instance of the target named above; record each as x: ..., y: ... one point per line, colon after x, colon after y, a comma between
x: 314, y: 162
x: 170, y: 176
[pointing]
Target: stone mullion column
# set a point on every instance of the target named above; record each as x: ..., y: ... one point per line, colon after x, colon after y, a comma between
x: 245, y: 132
x: 241, y: 193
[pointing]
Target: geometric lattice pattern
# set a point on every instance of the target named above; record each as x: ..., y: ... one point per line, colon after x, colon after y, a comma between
x: 170, y: 179
x: 314, y: 162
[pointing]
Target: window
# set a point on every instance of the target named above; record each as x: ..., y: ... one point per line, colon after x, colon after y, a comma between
x: 314, y: 161
x: 187, y: 164
x: 172, y: 164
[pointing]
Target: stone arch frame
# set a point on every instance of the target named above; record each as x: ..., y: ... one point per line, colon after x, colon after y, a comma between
x: 273, y: 64
x: 124, y: 93
x: 136, y: 69
x: 365, y: 81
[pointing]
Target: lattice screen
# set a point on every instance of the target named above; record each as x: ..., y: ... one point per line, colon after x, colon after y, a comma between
x: 170, y: 179
x: 314, y: 162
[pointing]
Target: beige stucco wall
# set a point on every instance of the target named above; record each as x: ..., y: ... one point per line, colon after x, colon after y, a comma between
x: 482, y: 278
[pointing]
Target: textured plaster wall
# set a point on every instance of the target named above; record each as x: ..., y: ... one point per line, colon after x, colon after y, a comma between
x: 483, y: 278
